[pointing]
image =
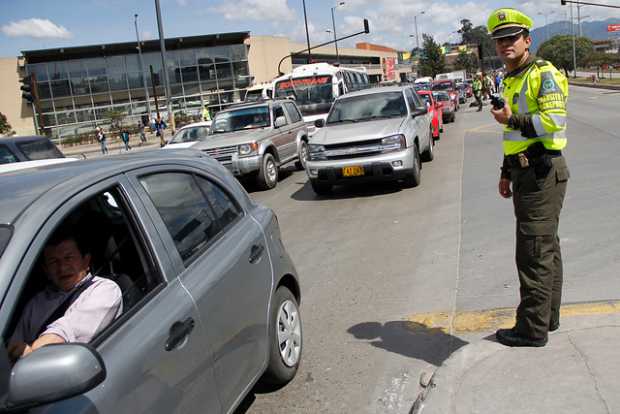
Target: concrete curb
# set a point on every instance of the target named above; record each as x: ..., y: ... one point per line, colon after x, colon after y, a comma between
x: 449, y: 375
x: 595, y: 85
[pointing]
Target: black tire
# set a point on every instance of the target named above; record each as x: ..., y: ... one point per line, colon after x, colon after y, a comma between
x: 415, y: 176
x: 300, y: 164
x: 278, y: 371
x: 267, y: 177
x: 321, y: 188
x: 429, y: 154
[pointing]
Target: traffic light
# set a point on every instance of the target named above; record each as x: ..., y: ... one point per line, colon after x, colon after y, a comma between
x: 366, y: 26
x: 27, y: 92
x: 563, y: 2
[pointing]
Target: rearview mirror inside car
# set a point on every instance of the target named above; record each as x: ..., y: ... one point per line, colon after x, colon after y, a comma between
x: 53, y: 373
x: 319, y: 123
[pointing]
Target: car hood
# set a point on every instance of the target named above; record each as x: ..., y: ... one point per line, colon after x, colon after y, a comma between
x: 233, y: 138
x: 354, y: 132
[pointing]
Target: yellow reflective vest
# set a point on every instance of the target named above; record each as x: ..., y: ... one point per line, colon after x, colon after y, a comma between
x: 537, y: 95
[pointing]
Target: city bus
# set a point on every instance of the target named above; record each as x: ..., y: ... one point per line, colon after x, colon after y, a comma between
x: 315, y: 86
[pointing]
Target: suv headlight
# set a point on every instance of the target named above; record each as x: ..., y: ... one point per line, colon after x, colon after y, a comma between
x: 317, y: 152
x: 393, y: 143
x: 247, y: 149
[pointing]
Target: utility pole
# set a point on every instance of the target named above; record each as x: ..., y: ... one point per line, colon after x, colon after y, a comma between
x: 307, y: 34
x: 146, y: 89
x: 162, y: 45
x: 572, y: 28
x: 334, y: 27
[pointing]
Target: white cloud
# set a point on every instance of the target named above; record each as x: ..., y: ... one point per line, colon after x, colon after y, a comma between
x: 37, y: 28
x: 182, y: 3
x: 274, y: 11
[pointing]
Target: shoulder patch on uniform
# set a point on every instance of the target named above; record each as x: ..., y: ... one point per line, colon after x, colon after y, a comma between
x: 548, y: 85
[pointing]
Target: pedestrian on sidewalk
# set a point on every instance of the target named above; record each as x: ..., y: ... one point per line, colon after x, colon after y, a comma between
x: 141, y: 129
x: 534, y: 119
x: 125, y: 139
x: 477, y: 88
x: 101, y: 138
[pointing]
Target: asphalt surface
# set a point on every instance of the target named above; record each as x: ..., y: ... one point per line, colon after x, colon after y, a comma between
x: 372, y: 257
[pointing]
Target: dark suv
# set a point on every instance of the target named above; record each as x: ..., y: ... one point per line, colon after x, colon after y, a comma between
x: 18, y: 149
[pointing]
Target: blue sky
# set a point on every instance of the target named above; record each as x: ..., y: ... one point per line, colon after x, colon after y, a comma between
x: 38, y: 24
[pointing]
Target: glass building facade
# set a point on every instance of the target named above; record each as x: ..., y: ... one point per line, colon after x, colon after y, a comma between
x: 80, y: 87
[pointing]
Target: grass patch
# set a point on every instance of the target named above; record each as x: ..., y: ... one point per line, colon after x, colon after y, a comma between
x: 614, y: 81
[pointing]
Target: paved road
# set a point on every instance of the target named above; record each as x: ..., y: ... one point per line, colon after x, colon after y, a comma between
x: 370, y: 257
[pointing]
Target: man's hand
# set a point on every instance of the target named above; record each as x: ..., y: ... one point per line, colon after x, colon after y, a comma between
x: 17, y: 349
x: 45, y: 339
x: 504, y: 188
x: 502, y: 115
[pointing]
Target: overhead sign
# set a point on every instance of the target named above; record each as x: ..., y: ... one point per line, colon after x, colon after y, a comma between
x: 301, y: 82
x: 613, y: 27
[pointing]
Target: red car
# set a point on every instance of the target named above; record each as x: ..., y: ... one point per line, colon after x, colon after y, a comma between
x: 448, y: 109
x: 436, y: 112
x: 449, y: 86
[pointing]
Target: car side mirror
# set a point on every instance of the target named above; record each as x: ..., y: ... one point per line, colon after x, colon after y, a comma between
x: 53, y: 373
x: 419, y: 111
x: 280, y: 122
x: 319, y: 123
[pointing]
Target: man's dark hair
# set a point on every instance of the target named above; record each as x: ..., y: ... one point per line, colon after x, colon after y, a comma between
x: 62, y: 235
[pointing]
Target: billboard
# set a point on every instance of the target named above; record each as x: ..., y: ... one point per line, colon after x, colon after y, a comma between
x: 613, y: 27
x: 389, y: 68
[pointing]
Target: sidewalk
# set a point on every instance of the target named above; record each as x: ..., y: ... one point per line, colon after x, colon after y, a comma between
x: 576, y: 372
x: 115, y: 146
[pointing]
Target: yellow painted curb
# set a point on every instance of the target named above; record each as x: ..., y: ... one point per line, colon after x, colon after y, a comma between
x: 491, y: 319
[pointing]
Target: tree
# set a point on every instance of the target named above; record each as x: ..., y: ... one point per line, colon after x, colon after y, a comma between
x: 432, y: 60
x: 477, y: 35
x: 466, y: 61
x: 559, y: 51
x: 5, y: 127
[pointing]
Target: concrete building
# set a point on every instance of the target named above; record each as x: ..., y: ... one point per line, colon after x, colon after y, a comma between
x: 86, y: 86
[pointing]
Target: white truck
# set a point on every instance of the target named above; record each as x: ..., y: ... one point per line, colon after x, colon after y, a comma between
x: 457, y: 75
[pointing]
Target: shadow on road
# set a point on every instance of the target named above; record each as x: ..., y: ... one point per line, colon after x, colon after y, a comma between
x: 410, y: 339
x: 249, y: 183
x: 341, y: 192
x: 249, y: 399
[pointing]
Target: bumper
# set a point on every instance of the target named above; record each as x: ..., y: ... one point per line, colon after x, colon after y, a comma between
x: 385, y: 167
x: 243, y: 165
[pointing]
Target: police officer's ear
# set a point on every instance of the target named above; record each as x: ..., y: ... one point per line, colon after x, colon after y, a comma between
x: 528, y: 40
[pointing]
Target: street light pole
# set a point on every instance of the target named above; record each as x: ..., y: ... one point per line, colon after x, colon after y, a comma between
x: 572, y: 27
x: 307, y: 34
x: 146, y: 89
x: 162, y: 45
x: 417, y: 36
x: 334, y: 27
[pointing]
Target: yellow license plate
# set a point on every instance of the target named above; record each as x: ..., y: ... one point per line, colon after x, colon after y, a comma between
x: 355, y: 171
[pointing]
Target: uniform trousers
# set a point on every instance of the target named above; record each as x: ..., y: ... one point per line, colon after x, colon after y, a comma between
x: 538, y: 195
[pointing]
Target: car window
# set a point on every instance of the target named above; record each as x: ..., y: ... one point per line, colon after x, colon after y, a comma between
x: 184, y: 210
x: 39, y: 150
x: 419, y: 103
x: 410, y: 100
x: 5, y: 235
x: 98, y: 243
x: 293, y: 112
x: 243, y: 118
x: 277, y: 112
x: 6, y: 155
x: 226, y: 210
x: 191, y: 134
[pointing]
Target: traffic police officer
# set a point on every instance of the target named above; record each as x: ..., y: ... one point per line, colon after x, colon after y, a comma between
x: 534, y: 119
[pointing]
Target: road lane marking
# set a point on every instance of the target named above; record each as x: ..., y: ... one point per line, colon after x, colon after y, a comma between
x: 492, y: 319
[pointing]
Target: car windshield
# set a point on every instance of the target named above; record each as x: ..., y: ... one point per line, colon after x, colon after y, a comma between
x: 441, y: 96
x: 240, y: 119
x: 309, y: 90
x: 190, y: 134
x: 443, y: 86
x: 368, y: 106
x: 254, y: 95
x: 40, y: 149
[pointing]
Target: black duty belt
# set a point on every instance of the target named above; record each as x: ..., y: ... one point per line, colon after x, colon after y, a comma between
x: 532, y: 155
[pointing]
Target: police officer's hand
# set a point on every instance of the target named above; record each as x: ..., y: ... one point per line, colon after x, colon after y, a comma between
x: 502, y: 115
x: 504, y: 188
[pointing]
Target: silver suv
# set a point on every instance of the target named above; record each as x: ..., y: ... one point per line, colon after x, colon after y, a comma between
x: 257, y: 139
x: 370, y: 135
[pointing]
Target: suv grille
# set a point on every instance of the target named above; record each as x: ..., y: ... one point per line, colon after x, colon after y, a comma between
x: 222, y: 154
x: 353, y: 150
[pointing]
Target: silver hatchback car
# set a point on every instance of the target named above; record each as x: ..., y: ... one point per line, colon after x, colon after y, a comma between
x: 207, y: 297
x: 374, y: 134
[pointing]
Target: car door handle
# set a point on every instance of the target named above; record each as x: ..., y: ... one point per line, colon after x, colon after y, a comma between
x: 178, y: 332
x: 256, y: 253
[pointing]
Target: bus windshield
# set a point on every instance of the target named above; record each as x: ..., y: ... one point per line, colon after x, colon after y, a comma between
x: 308, y: 90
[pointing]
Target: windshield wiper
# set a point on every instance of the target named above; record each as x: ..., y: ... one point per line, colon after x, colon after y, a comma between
x: 383, y: 117
x: 343, y: 120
